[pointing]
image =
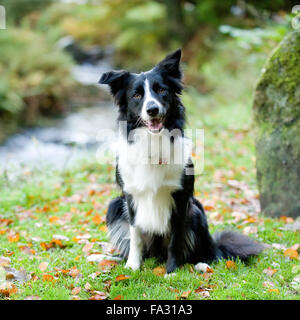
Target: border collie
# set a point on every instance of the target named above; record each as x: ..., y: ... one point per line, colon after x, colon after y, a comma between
x: 157, y: 214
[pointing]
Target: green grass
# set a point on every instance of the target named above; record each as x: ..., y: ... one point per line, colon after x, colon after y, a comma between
x: 30, y: 204
x: 43, y: 204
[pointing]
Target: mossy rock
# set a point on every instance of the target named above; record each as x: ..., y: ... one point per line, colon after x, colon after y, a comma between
x: 277, y: 130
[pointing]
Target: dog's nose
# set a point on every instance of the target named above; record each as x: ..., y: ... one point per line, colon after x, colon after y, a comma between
x: 152, y: 110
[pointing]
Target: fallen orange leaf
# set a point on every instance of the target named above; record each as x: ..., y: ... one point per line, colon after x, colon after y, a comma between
x: 87, y: 247
x: 53, y: 219
x: 76, y: 290
x: 291, y: 253
x: 48, y: 278
x: 273, y: 290
x: 103, y: 228
x: 173, y: 289
x: 269, y: 271
x: 98, y: 296
x: 43, y: 266
x: 57, y: 242
x: 7, y: 289
x: 97, y: 219
x: 230, y: 264
x: 14, y: 238
x: 4, y: 261
x: 159, y: 271
x: 122, y: 277
x: 286, y: 219
x: 208, y: 208
x: 107, y: 264
x: 45, y: 245
x: 186, y: 294
x: 74, y: 272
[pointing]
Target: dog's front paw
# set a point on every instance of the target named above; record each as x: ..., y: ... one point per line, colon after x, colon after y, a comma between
x: 134, y: 265
x: 202, y: 267
x: 171, y: 265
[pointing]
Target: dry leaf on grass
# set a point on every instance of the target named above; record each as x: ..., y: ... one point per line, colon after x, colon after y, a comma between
x: 296, y: 246
x: 16, y: 275
x: 48, y: 278
x: 4, y: 261
x: 106, y: 265
x: 159, y: 271
x: 122, y: 277
x: 7, y: 289
x: 32, y: 298
x: 88, y: 286
x: 14, y: 237
x: 27, y: 250
x: 274, y: 290
x: 230, y: 265
x: 186, y: 294
x: 202, y: 292
x: 269, y: 271
x: 88, y: 247
x: 98, y: 295
x: 268, y: 284
x: 291, y: 253
x: 76, y: 290
x: 94, y: 275
x: 60, y: 237
x: 250, y: 230
x: 97, y: 219
x: 43, y: 266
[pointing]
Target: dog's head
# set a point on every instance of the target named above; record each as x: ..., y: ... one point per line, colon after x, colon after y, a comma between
x: 148, y: 98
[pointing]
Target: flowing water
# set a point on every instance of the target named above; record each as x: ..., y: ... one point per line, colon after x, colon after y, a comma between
x: 66, y: 140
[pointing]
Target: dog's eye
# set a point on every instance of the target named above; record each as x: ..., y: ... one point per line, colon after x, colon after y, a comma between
x: 137, y: 96
x: 161, y: 90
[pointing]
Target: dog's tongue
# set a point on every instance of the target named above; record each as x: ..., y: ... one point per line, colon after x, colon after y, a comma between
x: 155, y: 125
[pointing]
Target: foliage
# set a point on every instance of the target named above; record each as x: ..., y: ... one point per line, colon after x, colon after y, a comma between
x: 16, y: 9
x: 32, y: 72
x: 53, y: 222
x: 130, y: 27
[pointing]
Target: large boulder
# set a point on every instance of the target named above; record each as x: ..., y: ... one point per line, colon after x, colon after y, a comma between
x: 277, y: 130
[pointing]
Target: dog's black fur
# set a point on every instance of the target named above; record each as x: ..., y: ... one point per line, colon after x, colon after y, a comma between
x: 189, y: 240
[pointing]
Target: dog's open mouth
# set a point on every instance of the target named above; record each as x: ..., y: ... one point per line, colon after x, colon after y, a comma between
x: 155, y: 125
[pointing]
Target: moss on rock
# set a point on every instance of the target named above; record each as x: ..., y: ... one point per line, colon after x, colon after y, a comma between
x: 276, y: 110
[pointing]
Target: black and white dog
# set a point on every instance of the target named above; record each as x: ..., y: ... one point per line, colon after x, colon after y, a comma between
x: 157, y: 214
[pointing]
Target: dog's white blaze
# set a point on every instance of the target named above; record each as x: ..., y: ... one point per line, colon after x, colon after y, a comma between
x: 148, y: 97
x: 151, y: 185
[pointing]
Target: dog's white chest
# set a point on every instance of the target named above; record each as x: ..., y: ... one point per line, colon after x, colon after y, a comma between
x: 150, y: 176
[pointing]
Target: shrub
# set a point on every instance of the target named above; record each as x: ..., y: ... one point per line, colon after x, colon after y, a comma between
x: 35, y: 76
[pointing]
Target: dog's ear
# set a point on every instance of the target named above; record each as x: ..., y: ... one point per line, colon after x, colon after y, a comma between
x: 112, y: 76
x: 171, y: 64
x: 117, y: 83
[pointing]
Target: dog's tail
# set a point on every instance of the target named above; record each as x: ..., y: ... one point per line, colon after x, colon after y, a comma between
x: 231, y: 244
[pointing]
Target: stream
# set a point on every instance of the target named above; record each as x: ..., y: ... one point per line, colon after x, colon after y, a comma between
x: 68, y: 139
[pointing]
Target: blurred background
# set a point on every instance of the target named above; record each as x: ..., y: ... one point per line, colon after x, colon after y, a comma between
x: 52, y: 54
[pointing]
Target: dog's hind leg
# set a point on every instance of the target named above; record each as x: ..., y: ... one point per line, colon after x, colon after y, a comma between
x: 118, y: 226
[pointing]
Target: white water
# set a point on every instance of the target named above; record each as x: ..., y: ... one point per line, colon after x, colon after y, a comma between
x: 67, y: 140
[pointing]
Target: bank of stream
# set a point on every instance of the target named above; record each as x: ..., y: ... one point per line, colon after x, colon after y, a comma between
x: 67, y: 139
